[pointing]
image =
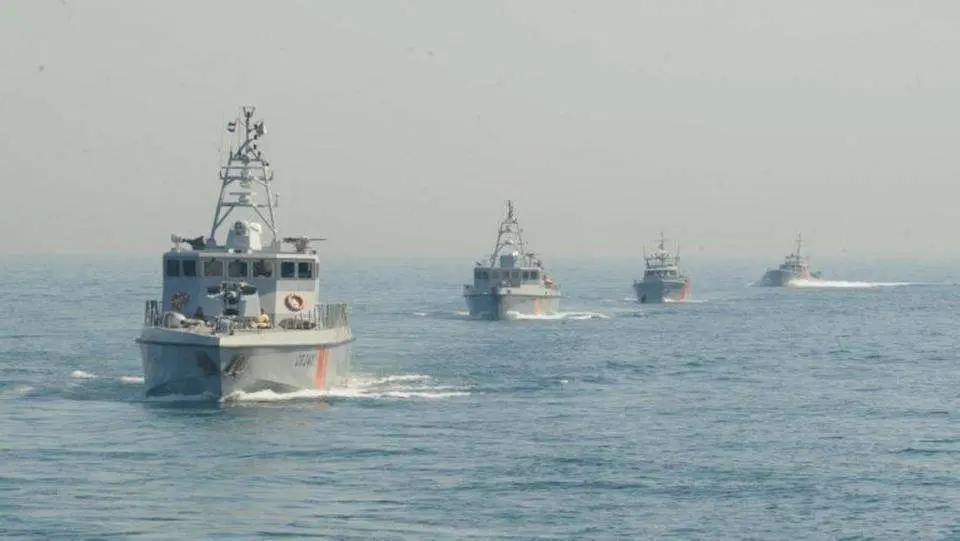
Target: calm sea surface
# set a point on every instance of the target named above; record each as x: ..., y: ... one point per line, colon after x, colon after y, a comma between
x: 816, y: 413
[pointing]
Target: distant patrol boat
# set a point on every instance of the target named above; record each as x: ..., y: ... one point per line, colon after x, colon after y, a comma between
x: 513, y: 281
x: 662, y: 278
x: 794, y: 267
x: 255, y: 321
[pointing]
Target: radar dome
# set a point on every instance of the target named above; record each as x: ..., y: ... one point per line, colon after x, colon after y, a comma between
x: 244, y: 236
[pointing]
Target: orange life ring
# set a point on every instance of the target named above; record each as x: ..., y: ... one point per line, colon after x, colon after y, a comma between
x: 294, y: 302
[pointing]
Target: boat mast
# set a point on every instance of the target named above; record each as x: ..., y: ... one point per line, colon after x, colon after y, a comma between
x: 509, y: 233
x: 246, y: 167
x: 662, y: 250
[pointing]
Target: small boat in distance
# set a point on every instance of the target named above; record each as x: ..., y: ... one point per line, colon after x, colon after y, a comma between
x: 663, y: 281
x: 513, y: 281
x: 255, y: 320
x: 794, y: 267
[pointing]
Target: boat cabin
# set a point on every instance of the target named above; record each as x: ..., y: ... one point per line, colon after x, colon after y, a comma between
x: 507, y: 274
x: 284, y: 283
x: 793, y: 262
x: 510, y: 265
x: 204, y: 279
x: 661, y: 264
x: 663, y: 273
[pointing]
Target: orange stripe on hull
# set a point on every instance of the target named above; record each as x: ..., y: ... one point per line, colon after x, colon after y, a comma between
x: 320, y: 378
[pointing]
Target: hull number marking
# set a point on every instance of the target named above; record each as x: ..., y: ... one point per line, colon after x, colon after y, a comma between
x: 304, y: 359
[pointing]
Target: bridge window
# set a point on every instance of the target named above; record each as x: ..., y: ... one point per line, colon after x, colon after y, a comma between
x: 237, y: 269
x: 288, y: 269
x: 173, y: 267
x: 477, y: 273
x: 534, y: 275
x: 262, y: 269
x: 213, y: 268
x: 190, y: 267
x: 484, y: 275
x: 515, y: 274
x: 305, y: 269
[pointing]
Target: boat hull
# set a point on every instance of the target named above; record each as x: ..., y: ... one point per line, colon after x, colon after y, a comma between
x: 178, y: 365
x: 658, y: 291
x: 782, y: 278
x: 504, y: 304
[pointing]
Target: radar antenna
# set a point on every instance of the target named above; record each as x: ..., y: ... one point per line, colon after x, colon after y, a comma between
x: 660, y: 256
x: 508, y: 234
x: 246, y: 168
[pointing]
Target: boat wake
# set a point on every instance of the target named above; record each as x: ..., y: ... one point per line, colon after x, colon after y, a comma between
x: 576, y: 316
x: 395, y: 387
x: 442, y: 314
x: 16, y: 391
x: 360, y: 386
x: 633, y: 300
x: 80, y: 374
x: 842, y: 284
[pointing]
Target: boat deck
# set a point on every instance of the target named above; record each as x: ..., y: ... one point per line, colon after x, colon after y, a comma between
x: 324, y: 316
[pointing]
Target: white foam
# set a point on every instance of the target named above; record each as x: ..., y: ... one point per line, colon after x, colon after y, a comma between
x: 395, y: 386
x: 18, y: 391
x: 406, y: 377
x: 80, y: 374
x: 425, y: 395
x: 578, y: 316
x: 840, y: 284
x: 271, y: 396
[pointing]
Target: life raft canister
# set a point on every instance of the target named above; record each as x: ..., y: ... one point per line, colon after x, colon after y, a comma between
x: 294, y: 302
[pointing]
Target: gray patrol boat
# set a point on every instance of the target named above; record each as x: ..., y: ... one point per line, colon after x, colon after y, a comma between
x: 794, y: 267
x: 243, y: 315
x: 663, y: 281
x: 513, y: 282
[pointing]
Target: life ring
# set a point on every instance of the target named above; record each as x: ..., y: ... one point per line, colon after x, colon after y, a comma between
x: 294, y: 302
x: 179, y: 299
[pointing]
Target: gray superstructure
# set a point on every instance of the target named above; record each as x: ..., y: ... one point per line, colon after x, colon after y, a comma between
x: 243, y: 315
x: 794, y: 267
x: 513, y: 281
x: 662, y: 278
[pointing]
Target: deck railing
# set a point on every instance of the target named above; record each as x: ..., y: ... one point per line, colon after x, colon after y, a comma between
x: 321, y: 316
x: 153, y: 314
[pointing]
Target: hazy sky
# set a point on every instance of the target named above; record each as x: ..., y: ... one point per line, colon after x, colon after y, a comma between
x: 401, y: 127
